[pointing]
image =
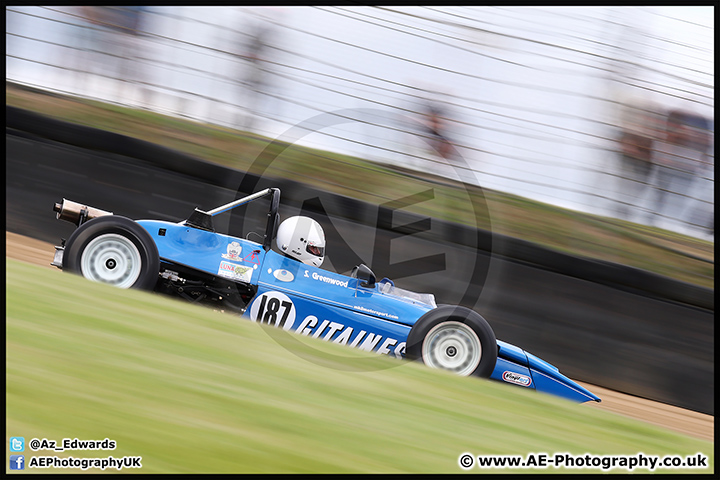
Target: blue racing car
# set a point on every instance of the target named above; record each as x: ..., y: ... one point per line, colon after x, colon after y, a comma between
x: 288, y: 289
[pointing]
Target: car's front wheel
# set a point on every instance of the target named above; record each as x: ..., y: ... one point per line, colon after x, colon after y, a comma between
x: 456, y: 339
x: 113, y: 250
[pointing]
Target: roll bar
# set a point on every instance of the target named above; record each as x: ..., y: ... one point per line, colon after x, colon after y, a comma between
x: 203, y: 220
x: 241, y: 201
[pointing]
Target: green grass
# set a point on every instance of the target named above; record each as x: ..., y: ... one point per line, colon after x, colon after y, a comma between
x: 194, y: 390
x: 677, y: 256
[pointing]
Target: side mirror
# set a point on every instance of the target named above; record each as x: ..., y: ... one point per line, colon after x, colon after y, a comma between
x: 363, y: 273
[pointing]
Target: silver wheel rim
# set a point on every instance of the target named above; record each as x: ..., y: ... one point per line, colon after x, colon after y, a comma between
x: 452, y: 346
x: 112, y: 259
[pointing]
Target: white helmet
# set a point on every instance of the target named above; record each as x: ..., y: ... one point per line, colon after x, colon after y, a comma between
x: 302, y: 238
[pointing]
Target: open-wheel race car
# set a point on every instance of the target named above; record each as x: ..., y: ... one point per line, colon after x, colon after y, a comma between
x: 288, y: 289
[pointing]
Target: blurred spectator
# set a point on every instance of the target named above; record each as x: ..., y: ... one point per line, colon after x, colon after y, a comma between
x: 700, y: 209
x: 678, y: 158
x: 635, y: 167
x: 435, y: 131
x: 109, y: 44
x: 83, y: 54
x: 253, y: 77
x: 640, y: 126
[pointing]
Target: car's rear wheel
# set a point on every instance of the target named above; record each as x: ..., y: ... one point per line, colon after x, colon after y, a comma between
x: 113, y: 250
x: 456, y: 339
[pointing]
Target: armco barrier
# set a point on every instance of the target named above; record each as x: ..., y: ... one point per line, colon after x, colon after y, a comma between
x: 608, y: 324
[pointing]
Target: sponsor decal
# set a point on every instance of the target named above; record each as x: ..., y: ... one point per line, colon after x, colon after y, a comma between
x: 338, y: 333
x: 253, y: 257
x: 235, y: 272
x: 516, y: 378
x: 328, y: 280
x: 273, y: 308
x: 375, y: 312
x: 284, y: 275
x: 234, y: 250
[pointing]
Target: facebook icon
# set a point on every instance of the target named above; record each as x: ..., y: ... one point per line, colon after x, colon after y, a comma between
x: 17, y: 462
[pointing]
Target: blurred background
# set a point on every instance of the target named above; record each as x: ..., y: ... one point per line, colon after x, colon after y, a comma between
x: 603, y: 110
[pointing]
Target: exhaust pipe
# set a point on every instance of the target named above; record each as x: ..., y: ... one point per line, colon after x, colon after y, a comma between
x: 77, y: 213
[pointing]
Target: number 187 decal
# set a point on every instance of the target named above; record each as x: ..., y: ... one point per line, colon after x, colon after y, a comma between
x: 273, y: 308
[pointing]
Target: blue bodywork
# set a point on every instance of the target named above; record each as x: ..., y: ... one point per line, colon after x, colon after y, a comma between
x: 333, y: 307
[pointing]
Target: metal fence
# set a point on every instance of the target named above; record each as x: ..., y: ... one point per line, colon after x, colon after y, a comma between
x: 603, y: 110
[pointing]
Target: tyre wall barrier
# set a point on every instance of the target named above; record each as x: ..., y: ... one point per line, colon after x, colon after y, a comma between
x: 607, y: 324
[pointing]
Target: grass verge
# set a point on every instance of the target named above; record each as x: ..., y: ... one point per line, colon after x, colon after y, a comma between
x: 193, y: 390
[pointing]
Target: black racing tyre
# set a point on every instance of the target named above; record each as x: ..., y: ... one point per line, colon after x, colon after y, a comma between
x: 453, y: 338
x: 113, y: 250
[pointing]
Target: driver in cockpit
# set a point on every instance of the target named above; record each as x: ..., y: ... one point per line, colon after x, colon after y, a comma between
x: 303, y: 239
